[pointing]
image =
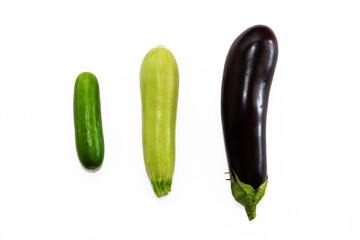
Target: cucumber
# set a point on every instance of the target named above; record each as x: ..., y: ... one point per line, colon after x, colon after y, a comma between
x: 87, y: 120
x: 159, y: 84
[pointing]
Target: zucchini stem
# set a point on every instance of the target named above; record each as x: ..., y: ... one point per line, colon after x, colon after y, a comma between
x: 161, y: 186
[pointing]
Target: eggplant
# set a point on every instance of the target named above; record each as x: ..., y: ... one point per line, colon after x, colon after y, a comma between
x: 247, y: 77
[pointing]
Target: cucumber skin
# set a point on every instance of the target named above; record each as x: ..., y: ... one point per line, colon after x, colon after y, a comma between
x: 87, y: 120
x: 159, y: 84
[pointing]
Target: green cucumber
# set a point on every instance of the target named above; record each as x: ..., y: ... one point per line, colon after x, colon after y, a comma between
x: 159, y: 84
x: 87, y: 120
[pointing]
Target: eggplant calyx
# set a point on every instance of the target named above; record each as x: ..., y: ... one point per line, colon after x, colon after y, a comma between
x: 161, y: 186
x: 246, y: 195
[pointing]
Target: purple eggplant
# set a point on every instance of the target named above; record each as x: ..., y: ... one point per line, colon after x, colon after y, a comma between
x: 248, y: 73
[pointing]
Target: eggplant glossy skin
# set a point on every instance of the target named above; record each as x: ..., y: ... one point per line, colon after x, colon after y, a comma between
x: 248, y: 73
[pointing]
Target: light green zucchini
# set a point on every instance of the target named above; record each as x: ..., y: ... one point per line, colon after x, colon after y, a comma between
x: 87, y: 119
x: 159, y: 84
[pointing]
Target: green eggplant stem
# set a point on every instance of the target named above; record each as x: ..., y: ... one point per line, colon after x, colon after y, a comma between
x: 246, y: 195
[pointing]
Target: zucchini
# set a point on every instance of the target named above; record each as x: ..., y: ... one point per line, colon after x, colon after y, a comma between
x: 87, y: 120
x: 159, y: 84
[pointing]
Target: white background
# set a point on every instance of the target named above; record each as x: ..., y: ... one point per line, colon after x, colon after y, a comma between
x: 313, y: 120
